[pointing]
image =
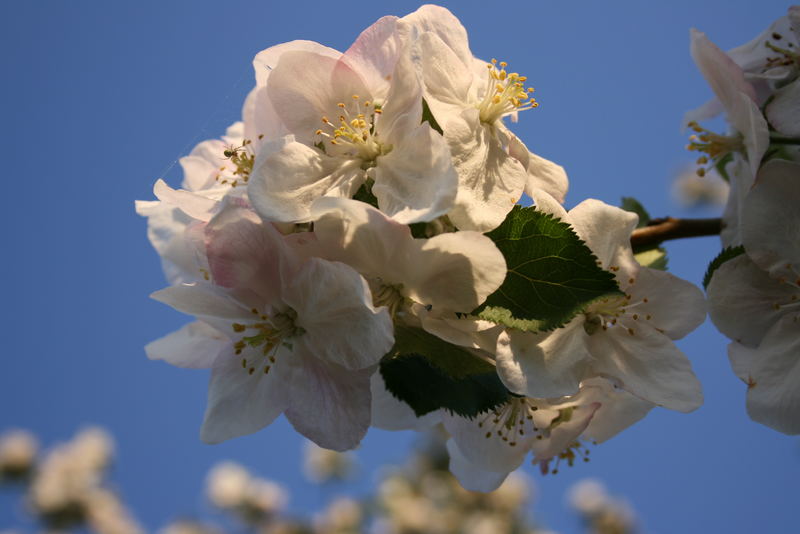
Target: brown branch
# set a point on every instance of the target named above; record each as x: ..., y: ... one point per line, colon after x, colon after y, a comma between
x: 659, y: 230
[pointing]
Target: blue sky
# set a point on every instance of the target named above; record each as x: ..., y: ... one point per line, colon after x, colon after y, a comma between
x: 99, y: 99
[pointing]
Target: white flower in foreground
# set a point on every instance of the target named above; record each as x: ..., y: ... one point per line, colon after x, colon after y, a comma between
x: 626, y: 338
x: 349, y: 128
x: 484, y: 450
x: 469, y: 100
x: 300, y: 337
x: 755, y: 299
x: 449, y: 272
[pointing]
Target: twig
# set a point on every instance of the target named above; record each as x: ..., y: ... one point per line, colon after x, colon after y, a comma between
x: 658, y: 230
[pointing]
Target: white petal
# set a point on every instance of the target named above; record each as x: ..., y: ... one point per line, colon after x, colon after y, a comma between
x: 725, y: 77
x: 479, y: 442
x: 443, y: 24
x: 647, y: 364
x: 330, y: 405
x: 564, y: 434
x: 673, y: 305
x: 784, y: 110
x: 285, y: 184
x: 211, y: 304
x: 607, y: 231
x: 196, y: 206
x: 390, y: 413
x: 546, y: 203
x: 469, y: 475
x: 447, y: 78
x: 748, y: 120
x: 490, y: 181
x: 196, y: 345
x: 542, y: 174
x: 741, y: 359
x: 402, y: 112
x: 334, y: 306
x: 543, y: 365
x: 453, y: 271
x: 618, y: 410
x: 241, y: 403
x: 416, y: 181
x: 771, y: 219
x: 742, y: 299
x: 773, y: 396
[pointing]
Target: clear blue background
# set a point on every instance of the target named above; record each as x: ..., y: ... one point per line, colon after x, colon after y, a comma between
x: 98, y: 99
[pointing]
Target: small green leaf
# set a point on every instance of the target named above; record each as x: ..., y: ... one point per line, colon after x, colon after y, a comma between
x: 364, y: 194
x: 552, y: 275
x: 633, y: 205
x: 654, y: 258
x: 428, y: 373
x: 427, y: 116
x: 726, y: 254
x: 721, y: 163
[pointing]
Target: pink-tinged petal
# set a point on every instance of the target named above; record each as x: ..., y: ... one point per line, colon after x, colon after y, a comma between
x: 741, y: 180
x: 725, y: 77
x: 752, y: 56
x: 542, y: 174
x: 771, y: 220
x: 607, y: 231
x: 773, y: 395
x: 306, y: 86
x: 196, y: 346
x: 245, y: 253
x: 390, y: 413
x: 328, y: 404
x: 709, y: 110
x: 361, y: 236
x: 264, y: 120
x: 199, y: 172
x: 480, y: 440
x: 334, y: 307
x: 674, y: 306
x: 490, y: 181
x: 470, y: 476
x: 447, y: 28
x: 285, y: 183
x: 416, y: 181
x: 448, y: 79
x: 171, y: 233
x: 266, y: 60
x: 374, y: 54
x: 741, y: 359
x: 196, y: 206
x: 543, y: 365
x: 453, y: 271
x: 647, y: 364
x: 744, y: 301
x: 241, y: 403
x: 783, y: 111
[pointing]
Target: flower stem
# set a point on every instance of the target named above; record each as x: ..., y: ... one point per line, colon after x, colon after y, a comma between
x: 658, y: 230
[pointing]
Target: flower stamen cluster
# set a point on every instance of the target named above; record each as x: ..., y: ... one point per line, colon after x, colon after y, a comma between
x: 505, y: 94
x: 713, y: 145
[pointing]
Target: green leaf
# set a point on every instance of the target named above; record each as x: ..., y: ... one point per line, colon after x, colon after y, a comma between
x: 552, y: 275
x: 429, y: 373
x: 633, y: 205
x: 654, y: 258
x: 427, y: 116
x: 726, y: 254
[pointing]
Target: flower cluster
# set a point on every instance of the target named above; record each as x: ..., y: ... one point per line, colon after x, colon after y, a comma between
x: 355, y: 256
x: 754, y: 285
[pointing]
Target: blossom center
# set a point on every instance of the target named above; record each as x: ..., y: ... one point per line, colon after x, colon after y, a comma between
x: 242, y: 157
x: 713, y: 145
x: 389, y: 295
x: 355, y: 136
x: 615, y: 312
x: 511, y: 421
x: 505, y: 94
x: 268, y: 334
